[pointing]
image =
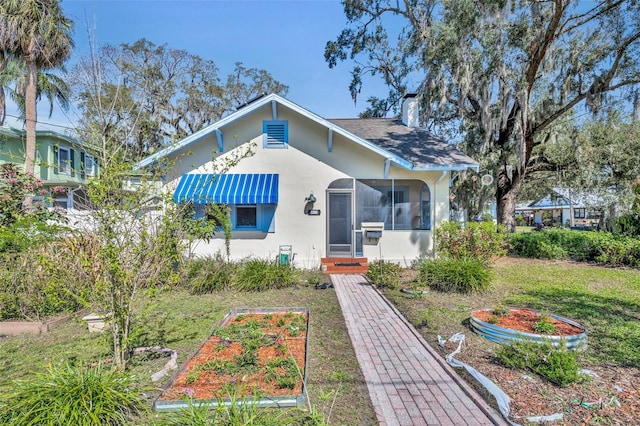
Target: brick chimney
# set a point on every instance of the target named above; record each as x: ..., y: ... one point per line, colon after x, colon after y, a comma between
x: 410, y: 110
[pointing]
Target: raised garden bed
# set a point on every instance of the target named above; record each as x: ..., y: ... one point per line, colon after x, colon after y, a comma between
x: 256, y: 356
x: 515, y: 324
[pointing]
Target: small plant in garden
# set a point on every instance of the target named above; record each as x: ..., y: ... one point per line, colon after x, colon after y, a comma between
x: 544, y: 326
x: 384, y: 274
x: 493, y: 319
x: 556, y: 364
x: 500, y: 310
x: 192, y: 377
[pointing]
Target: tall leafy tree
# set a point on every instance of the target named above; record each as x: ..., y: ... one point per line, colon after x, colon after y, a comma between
x: 608, y: 164
x: 162, y: 93
x: 37, y: 33
x: 504, y: 72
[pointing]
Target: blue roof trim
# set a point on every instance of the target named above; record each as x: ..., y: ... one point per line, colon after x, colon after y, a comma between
x: 227, y: 189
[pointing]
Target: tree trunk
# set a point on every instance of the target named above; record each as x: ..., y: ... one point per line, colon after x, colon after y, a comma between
x: 506, y: 192
x: 31, y: 118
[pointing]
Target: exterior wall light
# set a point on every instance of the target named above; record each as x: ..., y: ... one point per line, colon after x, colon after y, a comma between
x: 311, y: 198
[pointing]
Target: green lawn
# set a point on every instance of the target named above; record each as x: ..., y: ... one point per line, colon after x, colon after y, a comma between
x: 605, y: 300
x: 180, y: 321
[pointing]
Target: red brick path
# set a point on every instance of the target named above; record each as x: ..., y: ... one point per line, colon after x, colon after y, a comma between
x: 408, y: 382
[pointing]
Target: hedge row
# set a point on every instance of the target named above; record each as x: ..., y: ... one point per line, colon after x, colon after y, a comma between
x: 583, y: 246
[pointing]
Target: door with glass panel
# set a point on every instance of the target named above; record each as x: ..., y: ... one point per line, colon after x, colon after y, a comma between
x: 340, y: 223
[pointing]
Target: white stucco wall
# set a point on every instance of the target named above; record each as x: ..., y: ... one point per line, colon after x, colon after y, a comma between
x: 305, y: 166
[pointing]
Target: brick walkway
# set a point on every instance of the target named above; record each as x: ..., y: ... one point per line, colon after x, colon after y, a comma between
x: 409, y: 384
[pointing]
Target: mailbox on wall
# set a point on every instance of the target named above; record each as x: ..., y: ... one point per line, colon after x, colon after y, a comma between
x: 372, y: 232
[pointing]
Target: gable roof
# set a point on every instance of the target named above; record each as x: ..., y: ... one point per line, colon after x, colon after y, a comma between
x: 410, y: 148
x: 563, y: 197
x: 13, y: 133
x: 418, y: 146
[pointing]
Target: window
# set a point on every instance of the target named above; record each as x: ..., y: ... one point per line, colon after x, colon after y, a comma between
x: 275, y: 134
x: 64, y: 161
x: 579, y: 213
x: 246, y: 216
x: 61, y: 203
x: 400, y: 204
x: 89, y: 165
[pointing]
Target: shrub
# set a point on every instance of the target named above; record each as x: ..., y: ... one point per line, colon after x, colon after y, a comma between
x: 207, y: 275
x: 260, y: 275
x: 628, y: 224
x: 53, y: 284
x: 482, y: 241
x: 456, y: 275
x: 556, y: 364
x: 584, y: 246
x: 69, y: 395
x: 384, y: 274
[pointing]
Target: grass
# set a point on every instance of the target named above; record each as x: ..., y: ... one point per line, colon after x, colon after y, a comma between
x: 605, y: 300
x: 181, y: 321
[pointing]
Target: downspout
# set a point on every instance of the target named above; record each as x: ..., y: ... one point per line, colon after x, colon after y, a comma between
x: 435, y: 190
x: 387, y: 164
x: 433, y: 227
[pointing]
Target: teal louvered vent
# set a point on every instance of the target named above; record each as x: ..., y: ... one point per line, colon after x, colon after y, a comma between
x: 275, y: 133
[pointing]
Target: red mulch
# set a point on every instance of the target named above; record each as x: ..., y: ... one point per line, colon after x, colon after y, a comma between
x: 210, y: 385
x: 524, y: 320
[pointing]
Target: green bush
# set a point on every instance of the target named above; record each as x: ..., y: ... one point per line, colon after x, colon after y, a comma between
x: 207, y: 275
x: 69, y: 395
x: 482, y: 241
x: 456, y: 275
x: 53, y: 284
x: 582, y: 246
x: 556, y: 364
x: 260, y: 275
x: 384, y: 274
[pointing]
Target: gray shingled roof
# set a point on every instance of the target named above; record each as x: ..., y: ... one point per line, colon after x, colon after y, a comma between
x: 418, y: 146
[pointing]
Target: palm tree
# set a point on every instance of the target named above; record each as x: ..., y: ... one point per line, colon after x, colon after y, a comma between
x: 36, y: 32
x: 13, y: 79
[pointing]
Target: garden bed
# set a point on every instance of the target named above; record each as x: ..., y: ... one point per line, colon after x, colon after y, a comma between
x: 521, y: 324
x: 256, y: 356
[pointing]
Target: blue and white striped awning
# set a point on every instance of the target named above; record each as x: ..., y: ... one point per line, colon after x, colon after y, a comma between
x: 227, y: 189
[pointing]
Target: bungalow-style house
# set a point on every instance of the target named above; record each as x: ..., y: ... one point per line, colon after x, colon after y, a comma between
x: 562, y: 207
x: 342, y: 189
x: 63, y: 163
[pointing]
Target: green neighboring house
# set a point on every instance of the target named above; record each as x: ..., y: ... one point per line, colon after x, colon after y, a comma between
x: 63, y: 163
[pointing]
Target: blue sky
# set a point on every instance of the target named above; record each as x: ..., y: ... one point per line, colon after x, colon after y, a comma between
x: 287, y: 38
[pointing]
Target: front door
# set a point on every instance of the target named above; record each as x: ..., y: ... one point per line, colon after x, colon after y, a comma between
x: 340, y: 219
